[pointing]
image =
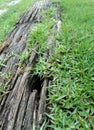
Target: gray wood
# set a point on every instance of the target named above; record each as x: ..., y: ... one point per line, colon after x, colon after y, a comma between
x: 24, y: 102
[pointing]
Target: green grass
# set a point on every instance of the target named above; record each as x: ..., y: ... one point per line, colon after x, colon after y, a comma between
x: 3, y: 3
x: 8, y: 19
x: 39, y: 36
x: 71, y: 67
x: 71, y: 95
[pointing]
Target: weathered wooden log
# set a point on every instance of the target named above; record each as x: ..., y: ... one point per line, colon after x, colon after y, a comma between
x: 24, y: 103
x: 13, y: 102
x: 28, y: 119
x: 42, y: 103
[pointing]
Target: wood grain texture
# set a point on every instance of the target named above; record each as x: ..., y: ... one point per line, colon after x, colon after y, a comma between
x: 25, y: 102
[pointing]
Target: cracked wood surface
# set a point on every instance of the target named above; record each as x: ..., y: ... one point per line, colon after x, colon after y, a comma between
x: 25, y: 102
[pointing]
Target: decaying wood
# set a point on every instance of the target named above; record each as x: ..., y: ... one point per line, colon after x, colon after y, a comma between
x: 42, y: 103
x: 24, y: 103
x: 17, y: 96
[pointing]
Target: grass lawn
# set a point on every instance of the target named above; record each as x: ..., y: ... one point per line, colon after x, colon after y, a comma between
x: 3, y: 3
x: 8, y: 19
x: 71, y: 95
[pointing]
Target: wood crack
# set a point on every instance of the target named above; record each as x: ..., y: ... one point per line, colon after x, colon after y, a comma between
x: 25, y: 104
